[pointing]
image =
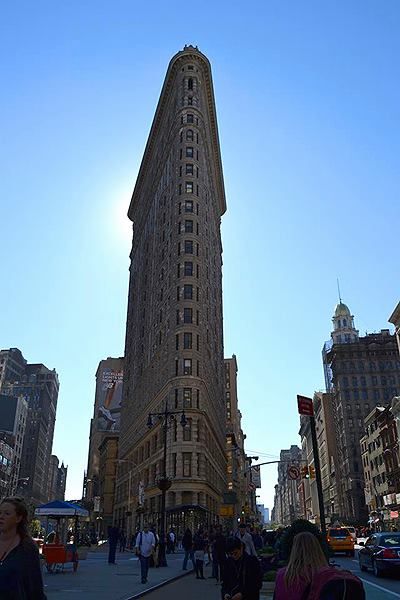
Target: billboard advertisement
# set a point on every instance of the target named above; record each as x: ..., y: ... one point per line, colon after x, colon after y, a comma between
x: 109, y: 398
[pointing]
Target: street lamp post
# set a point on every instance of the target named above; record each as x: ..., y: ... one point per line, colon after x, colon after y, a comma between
x: 164, y: 482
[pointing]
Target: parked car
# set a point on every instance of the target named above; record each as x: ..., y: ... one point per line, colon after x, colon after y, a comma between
x: 381, y: 553
x: 340, y: 540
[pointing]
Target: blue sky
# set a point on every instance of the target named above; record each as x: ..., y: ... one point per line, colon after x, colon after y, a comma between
x: 308, y: 101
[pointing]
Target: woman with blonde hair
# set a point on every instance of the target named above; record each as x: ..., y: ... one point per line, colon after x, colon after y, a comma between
x: 306, y: 559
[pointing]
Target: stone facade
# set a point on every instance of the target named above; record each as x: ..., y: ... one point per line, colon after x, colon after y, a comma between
x: 361, y: 373
x: 286, y: 501
x: 395, y: 320
x: 174, y: 337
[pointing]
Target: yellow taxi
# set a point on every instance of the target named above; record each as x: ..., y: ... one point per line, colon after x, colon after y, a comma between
x: 340, y: 540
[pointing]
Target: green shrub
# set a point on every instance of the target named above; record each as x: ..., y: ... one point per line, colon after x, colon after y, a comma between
x: 269, y: 576
x: 286, y: 540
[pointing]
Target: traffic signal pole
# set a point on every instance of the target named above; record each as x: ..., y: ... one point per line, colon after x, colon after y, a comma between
x: 318, y: 478
x: 306, y: 408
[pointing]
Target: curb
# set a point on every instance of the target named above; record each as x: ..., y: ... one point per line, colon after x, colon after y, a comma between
x: 157, y: 586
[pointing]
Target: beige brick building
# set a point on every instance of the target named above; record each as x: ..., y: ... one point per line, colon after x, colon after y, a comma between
x: 174, y: 335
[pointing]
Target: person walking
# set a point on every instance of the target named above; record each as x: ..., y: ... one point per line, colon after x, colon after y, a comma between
x: 145, y: 544
x: 246, y: 538
x: 306, y: 559
x: 241, y: 577
x: 20, y: 572
x: 187, y: 545
x: 199, y: 547
x: 218, y: 553
x: 122, y: 541
x: 113, y: 537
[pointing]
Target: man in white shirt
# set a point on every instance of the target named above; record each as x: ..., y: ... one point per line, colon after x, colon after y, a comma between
x: 246, y: 538
x: 145, y: 544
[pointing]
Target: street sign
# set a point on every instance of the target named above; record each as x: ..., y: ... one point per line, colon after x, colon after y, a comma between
x: 305, y: 406
x: 256, y: 476
x: 294, y: 472
x: 227, y: 510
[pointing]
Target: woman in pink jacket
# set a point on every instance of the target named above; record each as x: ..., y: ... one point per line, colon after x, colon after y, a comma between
x: 306, y: 559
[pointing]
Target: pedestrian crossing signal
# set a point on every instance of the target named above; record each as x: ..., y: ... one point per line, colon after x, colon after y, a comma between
x: 312, y: 472
x: 305, y: 474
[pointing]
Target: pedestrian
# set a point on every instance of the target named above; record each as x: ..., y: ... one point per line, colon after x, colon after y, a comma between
x: 306, y: 559
x: 20, y: 572
x: 187, y: 545
x: 122, y: 541
x: 171, y: 542
x: 145, y: 544
x: 113, y: 537
x: 245, y: 537
x: 257, y: 539
x: 199, y: 547
x: 242, y: 578
x: 218, y: 553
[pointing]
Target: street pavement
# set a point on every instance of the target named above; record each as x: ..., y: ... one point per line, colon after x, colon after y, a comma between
x: 382, y: 588
x: 188, y: 588
x: 95, y: 579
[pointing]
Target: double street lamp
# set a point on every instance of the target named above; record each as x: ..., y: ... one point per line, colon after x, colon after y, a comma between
x: 164, y: 482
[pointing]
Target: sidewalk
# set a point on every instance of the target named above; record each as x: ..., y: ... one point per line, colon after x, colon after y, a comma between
x: 97, y: 580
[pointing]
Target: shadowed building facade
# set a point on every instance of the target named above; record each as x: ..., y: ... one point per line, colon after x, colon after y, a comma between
x: 360, y: 373
x: 174, y: 334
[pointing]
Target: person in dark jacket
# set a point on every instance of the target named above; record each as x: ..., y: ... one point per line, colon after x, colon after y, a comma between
x: 187, y: 545
x: 218, y: 553
x: 20, y: 573
x: 242, y: 579
x: 113, y: 537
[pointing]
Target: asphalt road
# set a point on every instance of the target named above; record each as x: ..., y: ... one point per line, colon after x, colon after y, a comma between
x: 377, y: 588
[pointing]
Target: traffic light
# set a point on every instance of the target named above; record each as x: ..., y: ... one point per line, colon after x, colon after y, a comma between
x: 312, y: 472
x: 305, y: 473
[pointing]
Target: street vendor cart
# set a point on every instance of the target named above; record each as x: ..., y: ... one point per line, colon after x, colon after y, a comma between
x: 58, y: 551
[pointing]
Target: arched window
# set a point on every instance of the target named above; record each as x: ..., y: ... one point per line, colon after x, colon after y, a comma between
x: 190, y: 135
x: 344, y: 323
x: 190, y: 83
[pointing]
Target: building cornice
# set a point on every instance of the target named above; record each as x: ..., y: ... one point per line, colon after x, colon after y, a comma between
x: 395, y: 316
x: 194, y: 55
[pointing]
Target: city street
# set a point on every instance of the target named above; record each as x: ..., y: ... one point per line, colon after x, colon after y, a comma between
x: 382, y: 588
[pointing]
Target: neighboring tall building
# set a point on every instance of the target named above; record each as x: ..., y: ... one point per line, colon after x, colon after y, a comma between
x: 106, y: 419
x: 13, y: 413
x: 395, y: 320
x: 236, y: 459
x: 39, y: 386
x: 286, y: 501
x: 174, y: 335
x: 329, y: 462
x: 57, y: 479
x: 361, y: 373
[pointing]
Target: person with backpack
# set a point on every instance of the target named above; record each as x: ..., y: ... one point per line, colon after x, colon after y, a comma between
x: 145, y: 544
x: 308, y: 575
x: 241, y: 575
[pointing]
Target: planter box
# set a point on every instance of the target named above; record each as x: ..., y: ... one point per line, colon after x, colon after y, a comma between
x: 268, y: 586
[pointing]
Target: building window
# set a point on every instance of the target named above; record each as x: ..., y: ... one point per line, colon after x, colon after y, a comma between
x: 188, y: 247
x: 190, y: 100
x: 189, y: 187
x: 187, y: 366
x: 189, y: 135
x: 177, y: 341
x: 173, y: 464
x: 189, y: 151
x: 187, y: 397
x: 187, y: 315
x: 188, y: 292
x: 187, y: 464
x: 189, y: 206
x: 188, y: 226
x: 187, y: 431
x: 189, y: 169
x: 187, y: 341
x: 190, y: 83
x: 189, y: 118
x: 178, y: 270
x: 188, y: 268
